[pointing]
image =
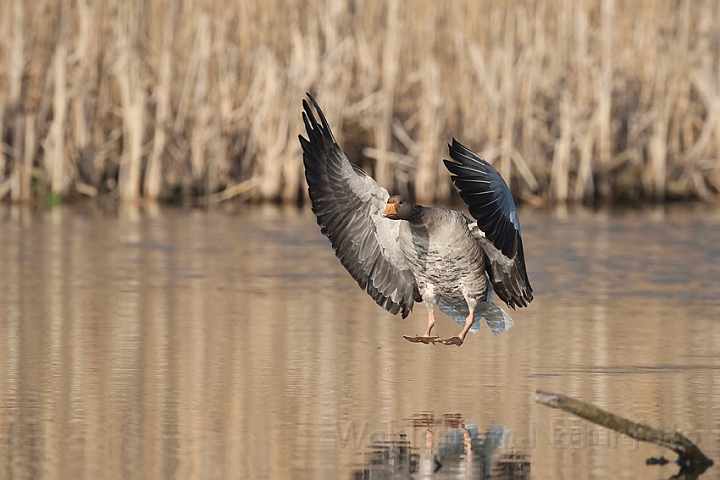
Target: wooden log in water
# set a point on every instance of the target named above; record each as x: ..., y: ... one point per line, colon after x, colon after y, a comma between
x: 689, y: 453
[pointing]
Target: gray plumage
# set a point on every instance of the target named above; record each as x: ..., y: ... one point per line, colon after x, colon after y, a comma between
x: 448, y: 263
x: 443, y: 255
x: 420, y: 253
x: 497, y: 227
x: 348, y: 204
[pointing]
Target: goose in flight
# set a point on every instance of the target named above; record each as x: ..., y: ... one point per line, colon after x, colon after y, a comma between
x: 401, y: 253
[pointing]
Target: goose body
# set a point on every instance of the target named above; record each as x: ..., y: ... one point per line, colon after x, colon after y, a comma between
x: 401, y: 253
x: 444, y: 257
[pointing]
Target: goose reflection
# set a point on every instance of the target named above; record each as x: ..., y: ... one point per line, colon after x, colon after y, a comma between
x: 443, y: 447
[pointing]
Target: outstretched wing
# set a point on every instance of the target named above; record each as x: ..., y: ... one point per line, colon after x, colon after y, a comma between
x: 348, y: 205
x: 498, y: 228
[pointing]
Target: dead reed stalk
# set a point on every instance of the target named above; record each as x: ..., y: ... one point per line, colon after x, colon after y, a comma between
x: 152, y: 183
x: 55, y: 143
x: 570, y: 100
x: 133, y: 98
x: 390, y: 68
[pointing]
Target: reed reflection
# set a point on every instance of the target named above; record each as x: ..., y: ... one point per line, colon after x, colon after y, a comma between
x: 168, y: 343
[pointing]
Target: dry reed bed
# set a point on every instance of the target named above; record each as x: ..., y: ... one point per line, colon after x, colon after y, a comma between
x: 569, y: 99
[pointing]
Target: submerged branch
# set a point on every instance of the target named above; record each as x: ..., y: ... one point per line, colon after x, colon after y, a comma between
x: 233, y: 191
x: 689, y: 453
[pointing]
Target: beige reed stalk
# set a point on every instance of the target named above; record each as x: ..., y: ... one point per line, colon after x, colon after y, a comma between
x: 133, y: 97
x: 152, y: 183
x: 55, y: 141
x: 568, y: 99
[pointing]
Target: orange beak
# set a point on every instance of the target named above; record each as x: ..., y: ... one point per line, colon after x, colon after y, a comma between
x: 389, y: 210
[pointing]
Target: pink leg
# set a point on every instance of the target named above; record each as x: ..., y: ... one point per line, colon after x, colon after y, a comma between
x: 460, y: 337
x: 426, y: 338
x: 431, y: 323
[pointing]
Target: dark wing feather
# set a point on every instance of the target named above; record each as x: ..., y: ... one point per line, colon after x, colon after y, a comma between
x: 348, y: 205
x: 498, y: 228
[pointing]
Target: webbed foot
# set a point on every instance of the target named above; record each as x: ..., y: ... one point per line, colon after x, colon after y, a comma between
x: 419, y: 339
x: 456, y: 340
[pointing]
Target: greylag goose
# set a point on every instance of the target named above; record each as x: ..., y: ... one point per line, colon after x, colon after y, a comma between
x: 401, y: 253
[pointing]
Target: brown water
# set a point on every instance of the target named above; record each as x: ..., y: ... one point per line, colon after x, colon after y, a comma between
x: 182, y: 344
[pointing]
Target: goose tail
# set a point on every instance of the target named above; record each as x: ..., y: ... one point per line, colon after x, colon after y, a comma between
x: 496, y: 318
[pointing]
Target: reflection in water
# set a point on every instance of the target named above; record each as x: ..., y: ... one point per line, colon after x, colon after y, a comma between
x: 687, y: 472
x: 461, y: 451
x: 163, y: 343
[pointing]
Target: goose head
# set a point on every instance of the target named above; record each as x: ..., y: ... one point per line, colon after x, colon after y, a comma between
x: 398, y: 209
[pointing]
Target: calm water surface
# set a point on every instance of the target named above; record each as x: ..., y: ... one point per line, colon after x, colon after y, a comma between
x: 162, y: 343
